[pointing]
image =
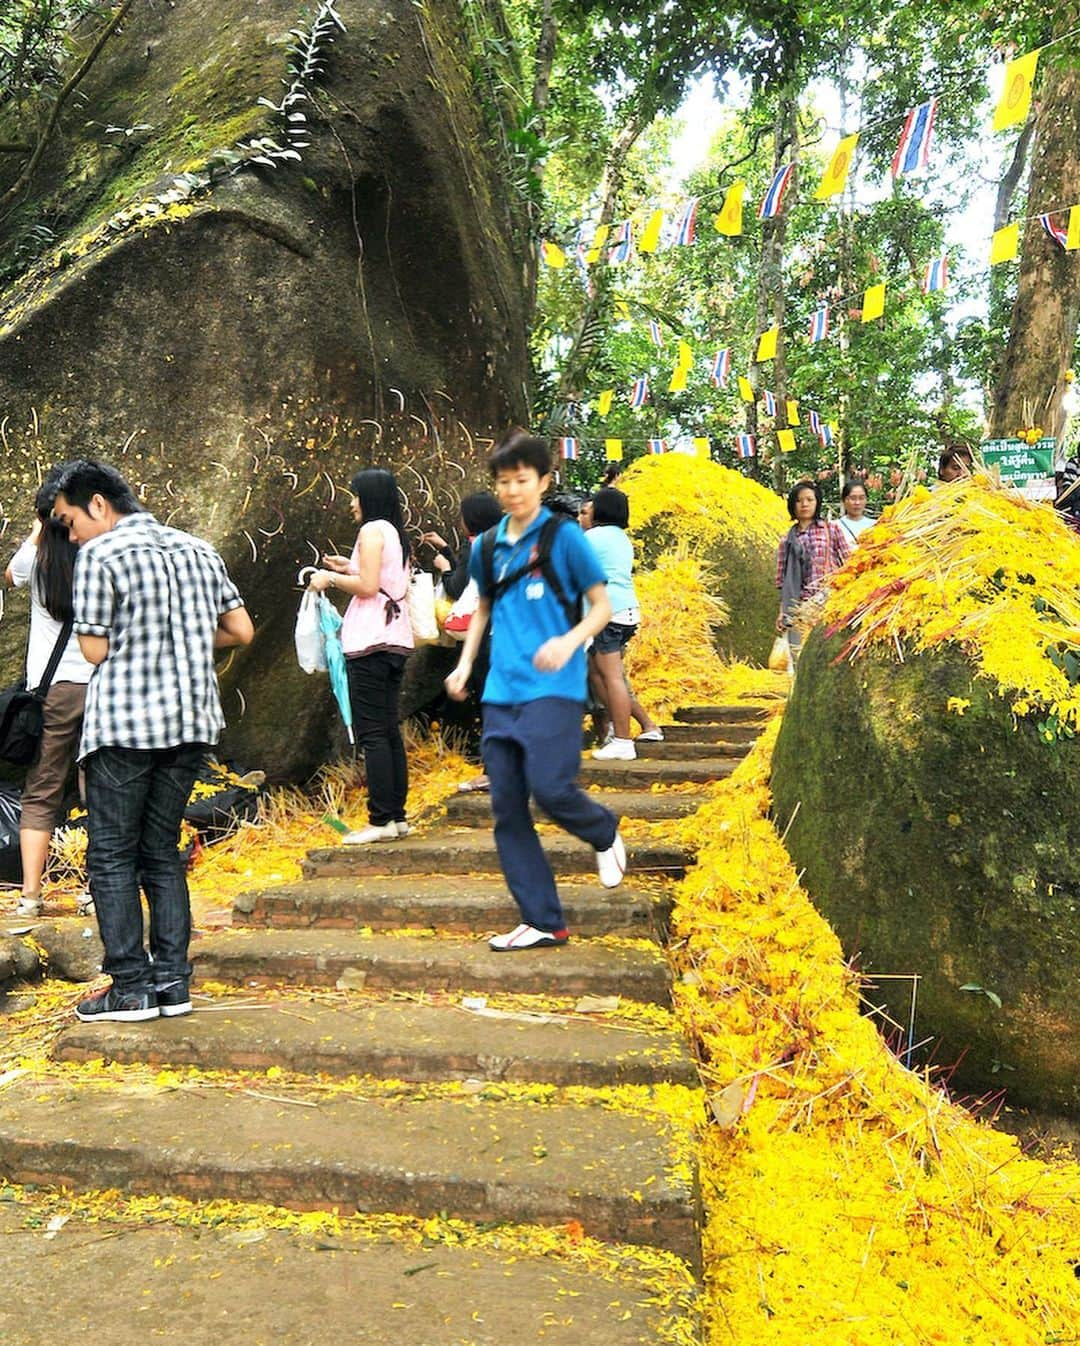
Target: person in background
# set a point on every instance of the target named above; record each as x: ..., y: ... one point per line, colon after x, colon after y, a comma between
x: 377, y: 638
x: 585, y: 514
x: 151, y: 605
x: 808, y: 553
x: 45, y: 564
x: 956, y: 461
x: 615, y: 552
x: 853, y: 519
x: 479, y: 512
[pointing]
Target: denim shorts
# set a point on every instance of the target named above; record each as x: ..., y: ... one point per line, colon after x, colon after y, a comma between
x: 613, y: 639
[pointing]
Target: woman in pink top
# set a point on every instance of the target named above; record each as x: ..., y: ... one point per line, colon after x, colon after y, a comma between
x: 376, y: 635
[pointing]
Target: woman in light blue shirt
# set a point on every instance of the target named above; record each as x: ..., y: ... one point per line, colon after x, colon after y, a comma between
x: 615, y: 552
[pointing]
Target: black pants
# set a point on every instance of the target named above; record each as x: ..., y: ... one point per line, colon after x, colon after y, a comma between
x: 374, y: 690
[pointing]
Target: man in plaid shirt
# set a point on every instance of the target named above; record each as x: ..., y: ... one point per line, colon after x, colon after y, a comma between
x: 152, y: 604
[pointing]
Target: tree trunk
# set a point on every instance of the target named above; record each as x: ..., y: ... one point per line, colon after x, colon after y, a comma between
x: 1042, y: 332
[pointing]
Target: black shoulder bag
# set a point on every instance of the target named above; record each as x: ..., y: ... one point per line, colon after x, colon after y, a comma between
x: 22, y: 712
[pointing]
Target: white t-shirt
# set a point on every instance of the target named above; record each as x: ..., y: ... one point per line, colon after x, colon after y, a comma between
x: 853, y: 527
x: 44, y: 629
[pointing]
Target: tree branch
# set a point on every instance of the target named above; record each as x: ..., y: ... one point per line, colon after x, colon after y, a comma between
x: 61, y: 98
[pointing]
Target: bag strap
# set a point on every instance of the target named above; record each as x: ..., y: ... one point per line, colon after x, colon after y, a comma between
x: 540, y: 561
x: 54, y: 659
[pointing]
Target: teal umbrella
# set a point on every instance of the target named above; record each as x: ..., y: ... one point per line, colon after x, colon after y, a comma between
x: 330, y: 626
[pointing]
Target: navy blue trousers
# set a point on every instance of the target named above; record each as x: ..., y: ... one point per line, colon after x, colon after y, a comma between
x: 535, y: 749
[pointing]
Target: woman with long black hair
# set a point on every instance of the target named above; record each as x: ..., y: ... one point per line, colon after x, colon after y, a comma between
x: 377, y: 638
x: 45, y: 564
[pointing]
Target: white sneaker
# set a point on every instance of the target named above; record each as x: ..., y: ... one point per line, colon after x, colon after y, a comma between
x: 30, y: 906
x: 527, y: 937
x: 618, y: 750
x: 366, y: 835
x: 611, y: 864
x: 651, y: 736
x: 403, y: 828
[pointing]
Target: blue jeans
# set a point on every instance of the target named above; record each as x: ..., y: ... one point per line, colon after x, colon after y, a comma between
x: 135, y: 800
x: 535, y: 748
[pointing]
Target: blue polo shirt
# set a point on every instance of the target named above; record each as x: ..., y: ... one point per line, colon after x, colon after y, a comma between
x: 528, y: 613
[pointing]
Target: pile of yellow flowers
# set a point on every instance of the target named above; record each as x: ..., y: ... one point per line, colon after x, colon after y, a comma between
x: 975, y: 564
x: 711, y: 503
x: 847, y: 1200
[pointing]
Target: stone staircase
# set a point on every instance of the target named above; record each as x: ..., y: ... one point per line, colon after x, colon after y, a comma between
x: 444, y: 1119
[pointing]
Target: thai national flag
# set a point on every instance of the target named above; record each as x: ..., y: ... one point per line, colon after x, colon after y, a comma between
x: 1057, y: 232
x: 937, y: 275
x: 913, y: 152
x: 657, y: 445
x: 620, y: 244
x: 687, y: 222
x: 825, y: 435
x: 770, y: 404
x: 639, y: 394
x: 745, y: 446
x: 721, y: 368
x: 815, y: 423
x: 655, y: 333
x: 581, y: 250
x: 819, y: 324
x: 774, y: 197
x: 568, y: 449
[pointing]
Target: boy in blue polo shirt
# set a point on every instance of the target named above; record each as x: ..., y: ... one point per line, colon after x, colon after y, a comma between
x: 534, y: 696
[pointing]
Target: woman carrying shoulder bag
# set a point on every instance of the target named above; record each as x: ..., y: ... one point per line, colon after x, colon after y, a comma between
x: 377, y: 638
x: 45, y: 564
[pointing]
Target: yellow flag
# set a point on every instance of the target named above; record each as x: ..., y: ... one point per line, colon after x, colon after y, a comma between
x: 622, y: 310
x: 873, y: 304
x: 596, y: 247
x: 552, y: 254
x: 836, y: 175
x: 686, y: 355
x: 766, y: 347
x: 1005, y: 244
x: 603, y: 402
x: 786, y: 440
x: 651, y: 237
x: 1072, y: 237
x: 613, y: 449
x: 1015, y: 102
x: 729, y: 220
x: 701, y: 447
x: 746, y: 389
x: 678, y: 380
x: 793, y: 413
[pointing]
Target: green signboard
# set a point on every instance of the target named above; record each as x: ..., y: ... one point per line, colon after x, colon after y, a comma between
x: 1028, y: 467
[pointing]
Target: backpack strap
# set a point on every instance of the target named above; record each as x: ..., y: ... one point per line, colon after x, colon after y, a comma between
x: 540, y: 560
x: 54, y: 659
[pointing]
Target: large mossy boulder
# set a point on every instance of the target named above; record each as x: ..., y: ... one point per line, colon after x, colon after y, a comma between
x: 726, y: 521
x: 240, y: 336
x: 932, y: 811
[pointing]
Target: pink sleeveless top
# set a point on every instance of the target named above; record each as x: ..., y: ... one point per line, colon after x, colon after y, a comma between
x: 365, y: 627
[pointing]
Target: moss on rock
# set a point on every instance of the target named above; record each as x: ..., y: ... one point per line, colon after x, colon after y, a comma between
x: 944, y: 843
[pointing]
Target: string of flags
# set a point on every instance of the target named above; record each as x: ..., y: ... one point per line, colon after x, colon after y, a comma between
x: 570, y: 447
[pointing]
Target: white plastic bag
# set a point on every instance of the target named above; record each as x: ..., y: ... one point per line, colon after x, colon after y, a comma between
x: 463, y: 611
x: 310, y: 651
x: 425, y: 628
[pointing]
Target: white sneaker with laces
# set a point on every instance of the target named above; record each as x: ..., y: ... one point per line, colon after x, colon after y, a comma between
x: 527, y: 937
x: 30, y: 906
x: 618, y: 750
x: 611, y: 864
x: 651, y: 736
x: 366, y: 835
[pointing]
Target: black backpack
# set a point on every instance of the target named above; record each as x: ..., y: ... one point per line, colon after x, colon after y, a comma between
x: 539, y: 559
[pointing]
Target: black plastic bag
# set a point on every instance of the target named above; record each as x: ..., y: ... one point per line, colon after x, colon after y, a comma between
x: 10, y: 813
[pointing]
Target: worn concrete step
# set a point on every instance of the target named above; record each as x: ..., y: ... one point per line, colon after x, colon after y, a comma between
x: 392, y: 1041
x: 474, y: 810
x: 687, y: 750
x: 720, y: 714
x: 643, y: 775
x: 247, y: 1285
x: 405, y: 963
x: 712, y: 733
x: 616, y: 1173
x: 468, y: 905
x: 471, y: 851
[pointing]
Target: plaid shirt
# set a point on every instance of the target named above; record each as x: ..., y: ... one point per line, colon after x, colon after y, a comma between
x: 156, y: 594
x: 828, y: 548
